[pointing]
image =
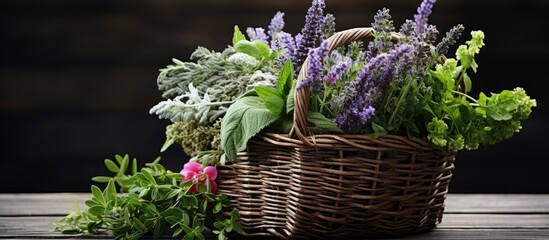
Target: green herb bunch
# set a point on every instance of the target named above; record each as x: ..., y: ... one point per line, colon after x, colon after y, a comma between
x: 198, y: 93
x: 407, y: 86
x: 150, y: 202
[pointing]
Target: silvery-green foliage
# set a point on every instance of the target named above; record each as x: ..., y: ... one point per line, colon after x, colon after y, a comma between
x: 190, y: 106
x: 202, y: 90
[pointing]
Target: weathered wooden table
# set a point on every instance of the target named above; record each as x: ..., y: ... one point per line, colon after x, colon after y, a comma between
x: 467, y: 216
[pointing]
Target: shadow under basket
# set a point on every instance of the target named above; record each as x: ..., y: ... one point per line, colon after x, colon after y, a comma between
x: 345, y: 185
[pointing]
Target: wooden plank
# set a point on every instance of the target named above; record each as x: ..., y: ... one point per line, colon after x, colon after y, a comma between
x: 497, y: 203
x: 39, y: 227
x: 32, y: 227
x: 50, y: 204
x: 62, y: 203
x: 510, y: 221
x: 490, y: 233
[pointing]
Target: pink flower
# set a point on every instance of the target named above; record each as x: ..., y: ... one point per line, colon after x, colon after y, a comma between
x: 192, y: 171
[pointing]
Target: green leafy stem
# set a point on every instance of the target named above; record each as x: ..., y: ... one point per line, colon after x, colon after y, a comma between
x: 152, y: 201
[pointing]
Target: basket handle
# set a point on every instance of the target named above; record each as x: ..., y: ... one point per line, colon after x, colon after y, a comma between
x: 301, y: 98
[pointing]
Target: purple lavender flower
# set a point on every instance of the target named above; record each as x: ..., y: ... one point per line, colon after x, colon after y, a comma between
x: 382, y: 21
x: 406, y: 30
x: 368, y: 87
x: 366, y: 78
x: 257, y: 34
x: 276, y: 26
x: 356, y: 114
x: 316, y: 67
x: 421, y: 18
x: 450, y: 39
x: 310, y: 33
x: 431, y: 34
x: 383, y: 26
x: 393, y: 58
x: 338, y: 70
x: 328, y: 28
x: 286, y: 43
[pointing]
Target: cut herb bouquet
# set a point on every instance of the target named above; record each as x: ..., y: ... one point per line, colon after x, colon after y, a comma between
x: 323, y: 134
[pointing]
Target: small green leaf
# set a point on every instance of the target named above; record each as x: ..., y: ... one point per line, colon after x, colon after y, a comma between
x: 186, y: 228
x: 285, y: 78
x: 467, y: 82
x: 204, y: 206
x: 124, y: 165
x: 193, y: 201
x: 134, y: 166
x: 189, y: 236
x: 139, y: 225
x: 110, y: 192
x: 234, y: 214
x: 237, y: 227
x: 96, y: 210
x: 158, y: 229
x: 198, y: 233
x: 322, y: 123
x: 186, y: 219
x: 91, y: 203
x: 217, y: 207
x: 101, y: 179
x: 237, y: 35
x: 290, y: 101
x: 148, y: 175
x: 247, y: 47
x: 177, y: 232
x: 118, y: 158
x: 154, y: 193
x: 264, y: 49
x: 167, y: 144
x: 196, y: 222
x: 378, y: 130
x: 111, y: 166
x: 221, y: 236
x: 96, y: 193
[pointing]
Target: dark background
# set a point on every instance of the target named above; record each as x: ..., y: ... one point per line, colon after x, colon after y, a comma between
x: 79, y: 77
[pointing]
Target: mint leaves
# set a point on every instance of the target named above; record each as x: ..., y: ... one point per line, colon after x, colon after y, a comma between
x: 255, y: 111
x: 244, y: 119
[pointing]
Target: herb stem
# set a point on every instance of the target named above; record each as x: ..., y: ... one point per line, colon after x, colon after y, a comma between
x: 465, y: 95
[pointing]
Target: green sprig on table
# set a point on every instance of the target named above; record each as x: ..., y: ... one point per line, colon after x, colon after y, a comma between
x: 152, y: 201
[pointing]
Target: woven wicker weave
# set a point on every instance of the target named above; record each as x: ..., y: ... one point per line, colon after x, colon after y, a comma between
x: 299, y: 186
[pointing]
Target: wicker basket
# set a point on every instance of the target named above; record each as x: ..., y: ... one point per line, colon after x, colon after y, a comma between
x: 299, y: 186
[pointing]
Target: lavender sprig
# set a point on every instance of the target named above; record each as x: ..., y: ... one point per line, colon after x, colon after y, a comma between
x: 315, y: 68
x: 368, y: 88
x: 275, y: 27
x: 357, y: 113
x: 421, y: 18
x: 383, y: 26
x: 328, y: 28
x: 406, y: 30
x: 450, y: 39
x: 286, y: 43
x: 337, y: 71
x: 257, y: 34
x: 310, y: 34
x: 382, y: 21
